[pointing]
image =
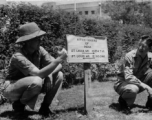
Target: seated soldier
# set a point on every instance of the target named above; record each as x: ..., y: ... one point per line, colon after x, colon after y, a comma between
x: 32, y: 70
x: 135, y: 75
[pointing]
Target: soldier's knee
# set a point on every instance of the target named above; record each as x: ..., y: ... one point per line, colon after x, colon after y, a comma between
x: 60, y: 76
x: 131, y: 92
x: 37, y: 81
x: 133, y: 89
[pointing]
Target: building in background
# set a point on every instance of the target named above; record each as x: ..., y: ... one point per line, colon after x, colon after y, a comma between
x: 87, y: 9
x: 51, y: 5
x: 90, y: 9
x: 2, y: 2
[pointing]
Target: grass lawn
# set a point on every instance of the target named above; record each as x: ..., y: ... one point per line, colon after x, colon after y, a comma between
x: 71, y: 106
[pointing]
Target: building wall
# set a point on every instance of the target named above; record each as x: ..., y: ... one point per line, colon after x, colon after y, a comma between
x: 51, y: 5
x: 87, y: 8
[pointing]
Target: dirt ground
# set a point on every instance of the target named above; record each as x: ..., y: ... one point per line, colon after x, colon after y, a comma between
x: 71, y: 106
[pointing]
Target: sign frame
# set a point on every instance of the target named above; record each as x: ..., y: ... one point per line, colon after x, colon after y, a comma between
x: 80, y: 52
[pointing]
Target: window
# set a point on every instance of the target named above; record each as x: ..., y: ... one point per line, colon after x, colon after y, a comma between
x: 86, y: 12
x: 80, y: 12
x: 93, y: 12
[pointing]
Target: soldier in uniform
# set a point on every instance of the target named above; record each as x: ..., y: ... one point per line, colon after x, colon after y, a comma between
x: 135, y: 75
x: 32, y: 70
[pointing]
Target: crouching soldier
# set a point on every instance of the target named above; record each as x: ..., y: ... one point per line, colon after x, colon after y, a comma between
x: 135, y: 75
x: 32, y: 70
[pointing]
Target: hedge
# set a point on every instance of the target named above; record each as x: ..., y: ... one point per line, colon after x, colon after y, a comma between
x: 57, y: 23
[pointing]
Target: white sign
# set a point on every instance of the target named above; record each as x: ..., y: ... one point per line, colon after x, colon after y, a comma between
x: 87, y: 49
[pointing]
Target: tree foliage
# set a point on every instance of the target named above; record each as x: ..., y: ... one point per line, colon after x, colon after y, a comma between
x: 129, y: 12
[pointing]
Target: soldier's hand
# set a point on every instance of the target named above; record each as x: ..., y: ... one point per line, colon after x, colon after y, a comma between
x: 62, y: 54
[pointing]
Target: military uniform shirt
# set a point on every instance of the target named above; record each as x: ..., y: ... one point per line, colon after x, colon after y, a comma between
x: 21, y: 63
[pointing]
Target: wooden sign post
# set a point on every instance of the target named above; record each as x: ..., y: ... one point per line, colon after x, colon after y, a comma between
x: 87, y: 50
x: 88, y: 102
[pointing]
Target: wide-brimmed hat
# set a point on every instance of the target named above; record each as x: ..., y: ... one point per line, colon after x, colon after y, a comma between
x: 29, y: 31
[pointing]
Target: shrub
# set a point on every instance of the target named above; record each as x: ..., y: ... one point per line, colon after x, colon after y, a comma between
x: 128, y: 38
x: 121, y: 38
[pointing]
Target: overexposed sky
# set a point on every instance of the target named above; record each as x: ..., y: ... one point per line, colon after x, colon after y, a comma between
x: 70, y: 0
x: 58, y: 1
x: 38, y: 2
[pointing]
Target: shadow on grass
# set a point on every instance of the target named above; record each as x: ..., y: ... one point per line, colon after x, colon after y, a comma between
x: 117, y: 107
x: 16, y: 116
x: 72, y: 109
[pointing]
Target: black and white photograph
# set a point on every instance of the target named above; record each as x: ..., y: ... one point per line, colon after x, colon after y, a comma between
x: 75, y: 59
